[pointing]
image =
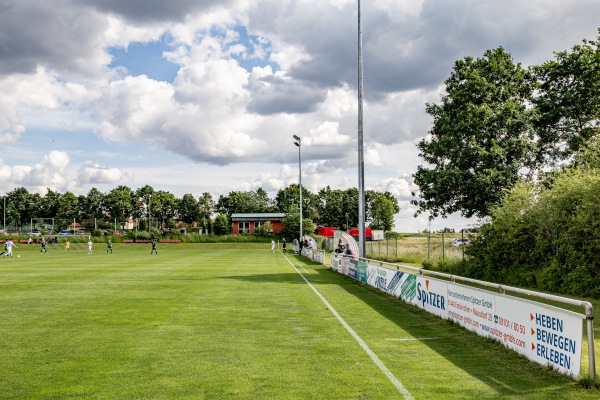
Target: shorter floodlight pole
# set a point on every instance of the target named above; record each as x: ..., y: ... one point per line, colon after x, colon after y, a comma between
x: 298, y: 143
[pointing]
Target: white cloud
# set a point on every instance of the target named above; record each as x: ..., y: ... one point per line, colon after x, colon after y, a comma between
x: 49, y: 172
x: 327, y: 134
x: 92, y: 172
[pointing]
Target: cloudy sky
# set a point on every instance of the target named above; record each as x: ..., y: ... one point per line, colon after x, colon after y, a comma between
x: 193, y: 96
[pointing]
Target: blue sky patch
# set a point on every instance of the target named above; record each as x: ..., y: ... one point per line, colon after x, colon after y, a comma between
x: 146, y: 59
x: 252, y: 43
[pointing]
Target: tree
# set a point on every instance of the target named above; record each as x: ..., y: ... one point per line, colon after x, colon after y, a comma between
x: 245, y: 202
x: 568, y: 102
x: 338, y: 207
x: 481, y: 137
x: 222, y: 225
x: 50, y: 204
x: 332, y: 211
x: 206, y: 206
x: 20, y: 207
x: 164, y: 206
x: 187, y: 209
x: 142, y: 203
x: 292, y: 223
x: 382, y: 208
x: 119, y: 203
x: 68, y: 207
x: 93, y: 206
x: 290, y: 196
x: 263, y: 202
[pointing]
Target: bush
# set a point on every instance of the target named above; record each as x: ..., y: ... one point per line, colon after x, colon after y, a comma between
x: 546, y: 238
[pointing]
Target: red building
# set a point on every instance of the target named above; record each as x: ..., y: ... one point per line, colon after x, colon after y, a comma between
x: 247, y: 224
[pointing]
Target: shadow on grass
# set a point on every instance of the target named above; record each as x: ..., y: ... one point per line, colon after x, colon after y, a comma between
x: 509, y: 374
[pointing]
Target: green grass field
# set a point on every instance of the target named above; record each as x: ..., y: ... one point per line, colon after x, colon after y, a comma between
x: 233, y: 321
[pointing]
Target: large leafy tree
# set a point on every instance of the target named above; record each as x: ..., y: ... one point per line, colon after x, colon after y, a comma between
x: 142, y: 203
x: 93, y: 205
x: 382, y: 207
x: 68, y: 207
x: 206, y: 207
x: 292, y: 223
x: 164, y: 205
x: 50, y: 204
x: 290, y: 196
x: 187, y: 208
x: 245, y: 202
x: 567, y: 102
x: 337, y: 207
x: 222, y: 225
x: 481, y: 137
x: 37, y: 206
x: 331, y: 207
x: 119, y: 202
x: 263, y: 202
x: 20, y: 207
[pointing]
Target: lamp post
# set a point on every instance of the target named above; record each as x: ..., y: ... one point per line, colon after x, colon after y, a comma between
x: 298, y: 143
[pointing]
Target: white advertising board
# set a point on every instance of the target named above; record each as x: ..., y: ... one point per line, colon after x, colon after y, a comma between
x: 551, y: 336
x: 396, y: 283
x: 544, y: 334
x: 431, y: 296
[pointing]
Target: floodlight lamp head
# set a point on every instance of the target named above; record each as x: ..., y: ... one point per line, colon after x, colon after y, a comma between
x: 297, y: 144
x: 297, y: 138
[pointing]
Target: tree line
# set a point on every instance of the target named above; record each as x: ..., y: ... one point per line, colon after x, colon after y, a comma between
x: 159, y: 209
x: 520, y: 148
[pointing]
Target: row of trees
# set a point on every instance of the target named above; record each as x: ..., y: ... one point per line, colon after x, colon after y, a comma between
x: 161, y: 209
x: 520, y: 148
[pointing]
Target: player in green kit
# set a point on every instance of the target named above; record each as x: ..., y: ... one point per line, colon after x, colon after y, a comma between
x: 109, y: 246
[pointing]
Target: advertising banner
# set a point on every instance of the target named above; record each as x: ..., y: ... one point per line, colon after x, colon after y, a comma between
x: 336, y: 264
x: 544, y: 334
x: 547, y: 335
x: 361, y: 271
x: 396, y: 283
x: 351, y: 268
x: 431, y: 296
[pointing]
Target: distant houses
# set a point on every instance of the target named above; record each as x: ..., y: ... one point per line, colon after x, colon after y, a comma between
x: 248, y: 223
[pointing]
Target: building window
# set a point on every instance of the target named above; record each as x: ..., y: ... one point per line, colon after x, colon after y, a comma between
x: 258, y: 225
x: 243, y: 228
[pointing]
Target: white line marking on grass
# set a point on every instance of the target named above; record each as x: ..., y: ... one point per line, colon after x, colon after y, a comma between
x: 361, y: 342
x: 305, y: 270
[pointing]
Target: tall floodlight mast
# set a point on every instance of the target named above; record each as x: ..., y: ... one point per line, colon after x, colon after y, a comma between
x: 361, y: 163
